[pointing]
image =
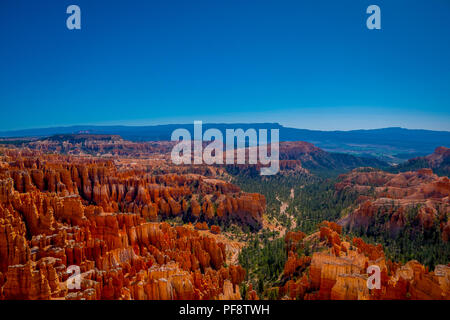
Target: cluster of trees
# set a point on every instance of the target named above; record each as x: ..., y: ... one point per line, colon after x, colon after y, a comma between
x: 314, y: 201
x: 443, y: 169
x: 264, y: 260
x: 319, y: 201
x: 275, y: 188
x: 17, y: 142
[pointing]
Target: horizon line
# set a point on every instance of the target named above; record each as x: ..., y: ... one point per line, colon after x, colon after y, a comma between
x: 208, y: 123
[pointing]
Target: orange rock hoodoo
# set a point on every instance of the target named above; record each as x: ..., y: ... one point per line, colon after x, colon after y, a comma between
x: 340, y: 273
x: 393, y: 195
x: 56, y: 213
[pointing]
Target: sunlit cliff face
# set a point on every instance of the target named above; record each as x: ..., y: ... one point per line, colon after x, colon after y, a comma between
x: 101, y: 226
x: 58, y: 211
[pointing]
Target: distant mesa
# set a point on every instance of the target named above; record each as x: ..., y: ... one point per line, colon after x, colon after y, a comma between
x: 393, y: 145
x: 83, y: 137
x: 439, y: 162
x: 295, y: 156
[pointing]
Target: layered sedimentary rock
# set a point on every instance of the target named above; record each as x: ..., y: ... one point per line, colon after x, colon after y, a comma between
x: 98, y: 144
x: 339, y: 271
x: 101, y: 187
x: 393, y: 197
x: 314, y: 158
x: 81, y: 228
x: 92, y: 227
x: 438, y: 161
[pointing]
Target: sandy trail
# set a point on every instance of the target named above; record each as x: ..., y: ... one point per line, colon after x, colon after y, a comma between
x: 283, y: 207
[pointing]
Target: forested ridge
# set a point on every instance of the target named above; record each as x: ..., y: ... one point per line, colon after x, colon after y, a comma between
x: 316, y: 200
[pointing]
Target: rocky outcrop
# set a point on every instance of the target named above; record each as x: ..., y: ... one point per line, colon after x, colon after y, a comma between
x: 392, y: 198
x: 339, y: 272
x: 32, y: 281
x: 101, y: 186
x: 438, y: 161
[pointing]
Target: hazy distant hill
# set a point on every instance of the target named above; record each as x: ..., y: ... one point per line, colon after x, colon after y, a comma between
x: 438, y: 161
x: 389, y: 144
x: 319, y: 161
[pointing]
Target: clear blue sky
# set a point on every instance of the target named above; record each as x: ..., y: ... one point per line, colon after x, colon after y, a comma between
x: 307, y: 64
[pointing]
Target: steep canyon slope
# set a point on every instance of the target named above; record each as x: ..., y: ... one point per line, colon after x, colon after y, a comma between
x: 138, y: 227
